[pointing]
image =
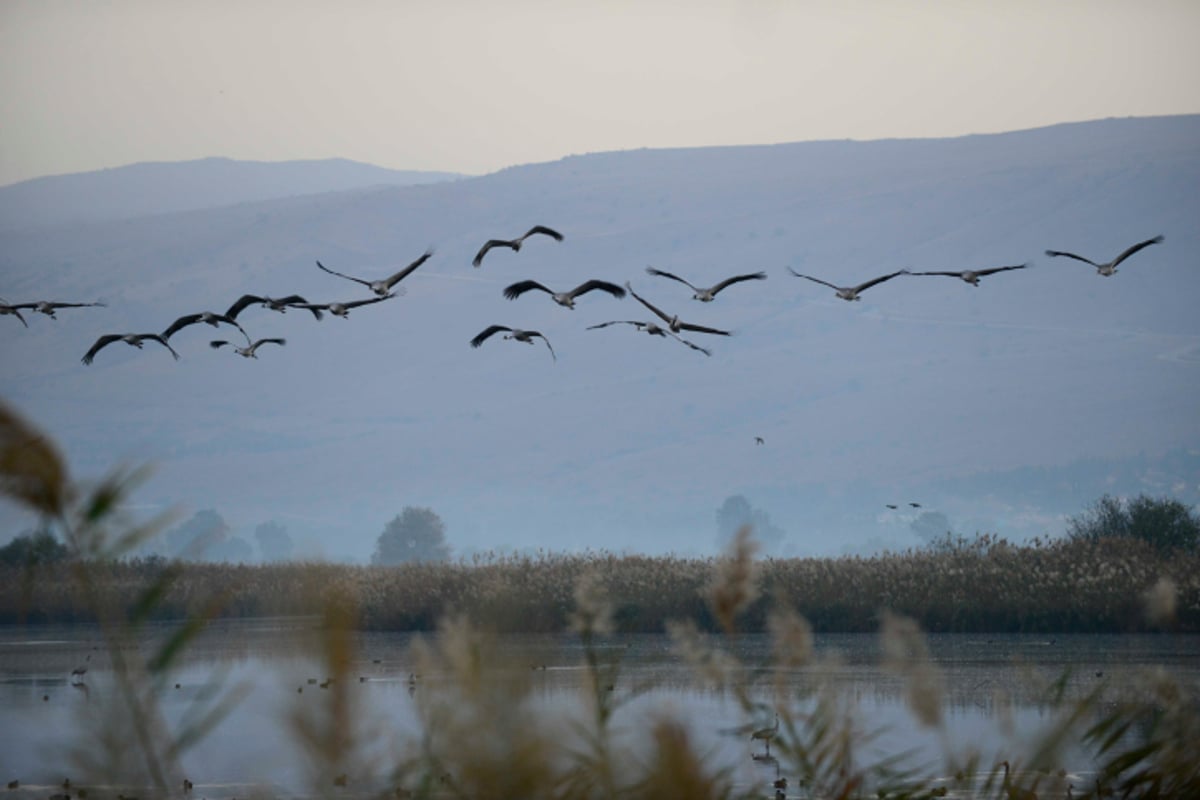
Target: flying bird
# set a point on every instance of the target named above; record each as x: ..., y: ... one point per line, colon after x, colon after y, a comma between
x: 135, y: 339
x: 343, y: 309
x: 204, y: 316
x: 280, y: 304
x: 759, y: 440
x: 566, y: 299
x: 915, y: 505
x: 7, y: 310
x: 707, y: 295
x: 515, y: 244
x: 673, y: 322
x: 383, y: 287
x: 515, y: 334
x: 1111, y: 267
x: 654, y: 329
x: 851, y: 292
x: 892, y: 506
x: 972, y: 276
x: 48, y: 307
x: 246, y: 352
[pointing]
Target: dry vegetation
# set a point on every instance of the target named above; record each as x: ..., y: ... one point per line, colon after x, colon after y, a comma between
x: 982, y: 585
x: 481, y: 733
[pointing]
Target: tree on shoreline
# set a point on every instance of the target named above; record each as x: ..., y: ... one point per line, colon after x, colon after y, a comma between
x: 1164, y: 523
x: 415, y: 534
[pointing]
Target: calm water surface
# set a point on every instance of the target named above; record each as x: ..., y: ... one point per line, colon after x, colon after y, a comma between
x: 44, y: 712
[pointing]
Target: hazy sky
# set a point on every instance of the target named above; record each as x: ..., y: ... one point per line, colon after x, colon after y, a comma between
x: 475, y: 86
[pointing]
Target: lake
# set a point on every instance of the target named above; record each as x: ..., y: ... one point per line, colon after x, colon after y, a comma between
x: 992, y: 703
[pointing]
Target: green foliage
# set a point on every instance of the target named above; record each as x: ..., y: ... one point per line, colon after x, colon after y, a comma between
x: 33, y: 549
x: 1164, y: 523
x: 415, y: 535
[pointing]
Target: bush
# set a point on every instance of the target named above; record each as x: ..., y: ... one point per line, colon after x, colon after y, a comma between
x: 1164, y: 523
x: 38, y: 548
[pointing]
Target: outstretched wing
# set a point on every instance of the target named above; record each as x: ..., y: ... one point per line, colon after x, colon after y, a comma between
x: 994, y: 270
x: 660, y: 273
x: 753, y: 276
x: 103, y: 341
x: 687, y: 326
x: 814, y: 280
x: 297, y: 301
x: 488, y: 246
x: 862, y: 287
x: 547, y: 341
x: 216, y: 344
x: 340, y: 275
x: 154, y: 337
x: 1072, y: 255
x: 1135, y: 248
x: 241, y: 303
x: 486, y: 332
x: 55, y: 304
x: 404, y: 273
x: 183, y: 322
x: 648, y: 305
x: 615, y: 322
x: 521, y: 287
x: 947, y: 274
x: 553, y: 234
x: 604, y: 286
x: 704, y: 350
x: 260, y: 342
x: 367, y: 302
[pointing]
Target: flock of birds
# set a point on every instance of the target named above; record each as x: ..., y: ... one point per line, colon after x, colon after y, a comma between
x: 662, y: 324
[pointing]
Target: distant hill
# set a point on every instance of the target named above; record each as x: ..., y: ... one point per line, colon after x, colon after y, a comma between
x: 961, y: 398
x: 163, y: 187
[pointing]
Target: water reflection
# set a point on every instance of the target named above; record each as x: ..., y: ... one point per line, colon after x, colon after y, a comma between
x: 995, y: 696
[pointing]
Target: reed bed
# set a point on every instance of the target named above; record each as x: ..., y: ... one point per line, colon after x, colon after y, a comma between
x: 982, y: 585
x: 482, y: 736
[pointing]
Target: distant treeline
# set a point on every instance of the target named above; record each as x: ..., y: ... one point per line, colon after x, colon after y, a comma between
x: 980, y: 585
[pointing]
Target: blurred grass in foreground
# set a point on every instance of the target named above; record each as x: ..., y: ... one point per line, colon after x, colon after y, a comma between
x: 482, y: 736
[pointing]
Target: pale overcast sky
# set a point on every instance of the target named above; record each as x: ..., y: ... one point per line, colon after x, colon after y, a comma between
x: 475, y: 86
